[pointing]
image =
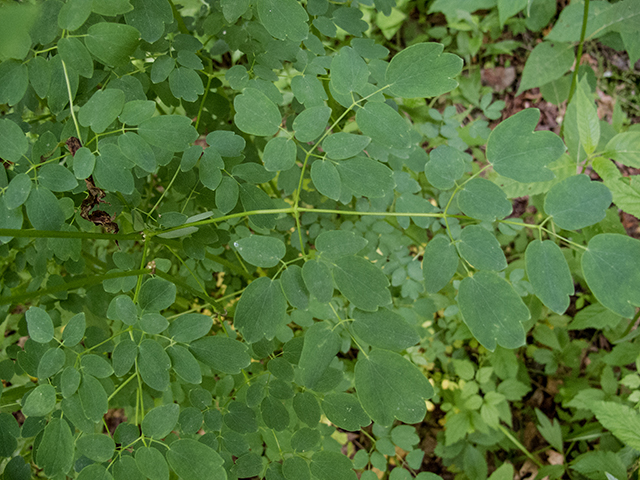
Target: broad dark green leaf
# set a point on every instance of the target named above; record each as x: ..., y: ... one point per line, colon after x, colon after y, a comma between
x: 260, y: 250
x: 111, y: 8
x: 74, y: 13
x: 185, y: 83
x: 389, y: 386
x: 72, y: 409
x: 14, y: 80
x: 549, y: 275
x: 227, y: 194
x: 337, y: 243
x: 9, y: 431
x: 156, y: 294
x: 40, y: 402
x: 375, y: 327
x: 588, y: 122
x: 126, y: 468
x: 307, y: 408
x: 274, y: 414
x: 193, y: 460
x: 69, y: 381
x: 548, y: 61
x: 55, y: 453
x: 184, y: 364
x: 17, y: 191
x: 492, y: 310
x: 284, y: 19
x: 149, y: 18
x: 221, y: 353
x: 294, y: 287
x: 93, y: 398
x: 256, y: 114
x: 137, y: 150
x: 39, y: 325
x: 96, y: 365
x: 384, y: 124
x: 364, y: 284
x: 481, y: 249
x: 417, y: 204
x: 83, y: 163
x: 40, y: 74
x: 296, y: 468
x: 349, y: 73
x: 308, y: 90
x: 611, y: 267
x: 317, y: 278
x: 113, y: 170
x: 160, y: 421
x: 43, y: 210
x: 57, y: 178
x: 170, y: 132
x: 261, y: 310
x: 13, y: 142
x: 122, y: 308
x: 327, y: 465
x: 517, y: 152
x: 344, y: 411
x: 422, y: 70
x: 124, y: 356
x: 189, y: 327
x: 621, y: 420
x: 152, y: 463
x: 112, y: 43
x: 94, y: 472
x: 153, y: 364
x: 96, y: 446
x: 51, y: 363
x: 321, y: 344
x: 366, y: 177
x: 577, y: 202
x: 326, y: 178
x: 254, y: 198
x: 311, y: 123
x: 341, y: 145
x: 76, y: 56
x: 484, y: 200
x: 439, y: 263
x: 279, y: 154
x: 9, y: 219
x: 136, y: 111
x: 625, y: 148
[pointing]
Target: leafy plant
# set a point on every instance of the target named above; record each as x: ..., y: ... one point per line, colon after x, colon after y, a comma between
x: 227, y: 245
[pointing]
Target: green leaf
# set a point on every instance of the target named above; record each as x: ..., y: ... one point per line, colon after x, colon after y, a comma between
x: 94, y: 472
x: 254, y: 198
x: 364, y: 284
x: 256, y: 114
x: 227, y: 143
x: 317, y: 278
x: 344, y: 411
x: 55, y: 452
x: 234, y: 9
x: 83, y: 163
x: 40, y: 402
x: 260, y: 250
x: 308, y: 90
x: 39, y: 325
x: 221, y: 353
x: 341, y: 145
x: 171, y: 132
x: 374, y: 328
x: 389, y: 386
x: 18, y: 191
x: 185, y: 364
x: 550, y: 430
x: 111, y: 8
x: 14, y: 80
x: 74, y: 13
x: 274, y: 414
x: 380, y: 121
x: 9, y: 218
x: 113, y: 170
x: 112, y: 43
x: 296, y: 468
x: 307, y: 408
x: 193, y: 460
x: 321, y: 345
x: 625, y: 148
x: 261, y: 310
x: 294, y: 287
x: 227, y: 194
x: 611, y: 267
x: 621, y: 420
x: 517, y: 152
x: 337, y: 243
x: 96, y: 366
x: 366, y: 177
x: 73, y: 410
x: 57, y: 178
x: 588, y: 121
x: 185, y: 83
x: 439, y: 263
x: 51, y: 363
x: 484, y: 200
x: 43, y: 210
x: 152, y: 463
x: 153, y: 364
x: 422, y: 70
x: 311, y: 123
x: 509, y: 8
x: 156, y: 294
x: 96, y: 446
x: 137, y: 150
x: 481, y: 249
x: 284, y: 19
x: 327, y: 465
x: 161, y: 68
x: 93, y: 398
x: 136, y: 111
x: 40, y: 75
x: 189, y: 327
x: 160, y: 421
x: 76, y: 56
x: 446, y: 165
x: 492, y: 310
x: 626, y: 193
x: 548, y: 61
x: 13, y: 142
x: 150, y: 17
x: 549, y: 275
x: 326, y: 178
x: 577, y: 202
x: 124, y: 356
x: 210, y: 168
x: 122, y: 308
x: 349, y: 73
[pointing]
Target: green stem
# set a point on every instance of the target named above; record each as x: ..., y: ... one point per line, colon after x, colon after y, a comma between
x: 204, y: 98
x: 79, y: 283
x: 9, y: 232
x: 574, y: 80
x: 73, y: 115
x: 522, y: 448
